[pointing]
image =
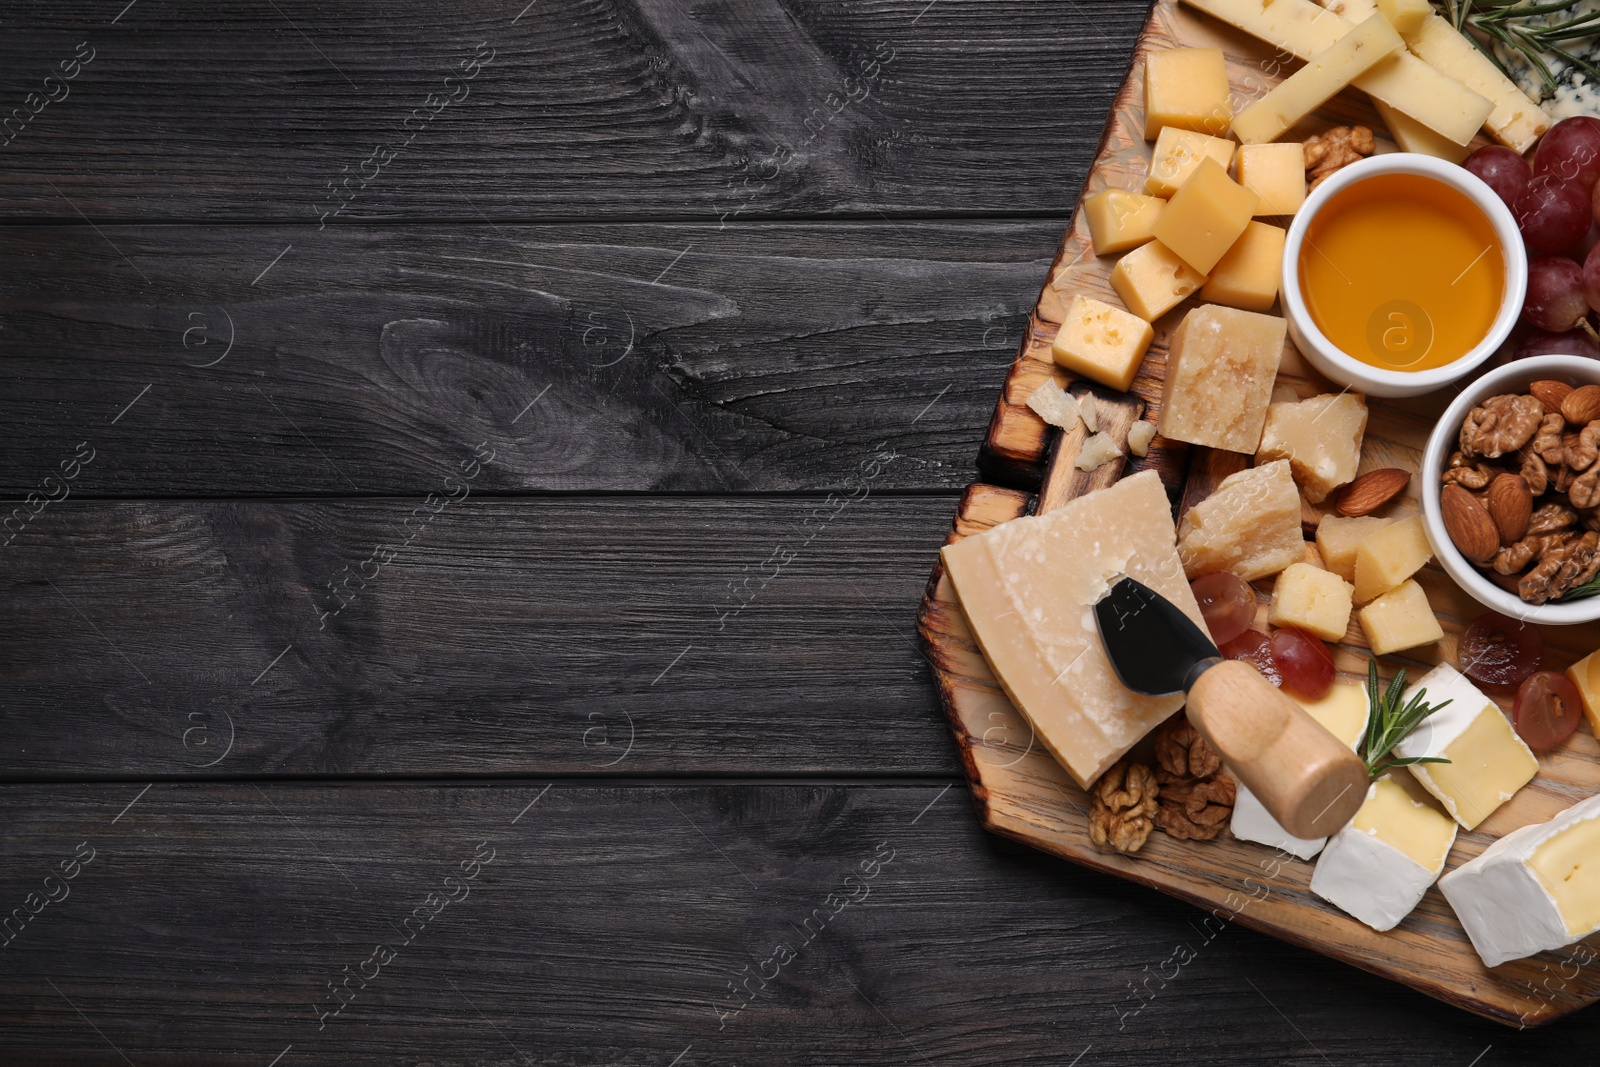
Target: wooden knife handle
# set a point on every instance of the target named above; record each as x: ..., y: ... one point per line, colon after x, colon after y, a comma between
x: 1309, y: 780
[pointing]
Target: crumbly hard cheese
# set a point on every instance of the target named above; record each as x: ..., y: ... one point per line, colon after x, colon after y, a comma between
x: 1250, y: 526
x: 1274, y: 172
x: 1100, y: 342
x: 1221, y: 364
x: 1186, y: 88
x: 1380, y: 866
x: 1314, y: 84
x: 1027, y: 587
x: 1177, y: 153
x: 1054, y: 405
x: 1152, y: 280
x: 1120, y: 220
x: 1339, y: 536
x: 1206, y: 216
x: 1320, y: 437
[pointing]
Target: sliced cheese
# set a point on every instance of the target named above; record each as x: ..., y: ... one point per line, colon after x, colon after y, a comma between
x: 1515, y: 120
x: 1413, y: 136
x: 1380, y: 867
x: 1314, y: 84
x: 1405, y: 15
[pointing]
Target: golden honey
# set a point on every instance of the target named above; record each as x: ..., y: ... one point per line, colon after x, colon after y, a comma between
x: 1402, y: 272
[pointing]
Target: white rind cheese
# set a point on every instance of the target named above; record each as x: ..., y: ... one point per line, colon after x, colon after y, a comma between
x: 1366, y: 870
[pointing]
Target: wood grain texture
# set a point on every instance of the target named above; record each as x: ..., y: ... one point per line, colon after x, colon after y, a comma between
x: 611, y: 923
x: 619, y: 108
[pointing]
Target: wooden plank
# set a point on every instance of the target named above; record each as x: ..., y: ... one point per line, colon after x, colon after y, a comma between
x: 751, y: 357
x: 213, y: 917
x: 667, y: 108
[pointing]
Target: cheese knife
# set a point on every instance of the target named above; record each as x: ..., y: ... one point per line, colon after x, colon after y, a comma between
x: 1309, y: 780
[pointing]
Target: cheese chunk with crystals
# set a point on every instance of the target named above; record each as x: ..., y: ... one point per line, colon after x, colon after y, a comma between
x: 1152, y: 280
x: 1320, y: 437
x: 1177, y: 153
x: 1206, y: 216
x: 1413, y: 136
x: 1516, y: 121
x: 1221, y: 363
x: 1027, y: 587
x: 1534, y: 890
x: 1488, y: 761
x: 1400, y: 619
x: 1585, y: 674
x: 1314, y: 84
x: 1274, y: 172
x: 1247, y: 276
x: 1344, y: 713
x: 1405, y: 15
x: 1390, y: 555
x: 1101, y: 342
x: 1315, y: 600
x: 1120, y: 220
x: 1338, y: 537
x: 1380, y: 866
x: 1186, y: 88
x: 1250, y: 526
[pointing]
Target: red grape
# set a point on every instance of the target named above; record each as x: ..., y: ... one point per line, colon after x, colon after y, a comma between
x: 1570, y: 150
x: 1591, y: 276
x: 1555, y: 299
x: 1253, y: 647
x: 1500, y: 652
x: 1547, y: 710
x: 1571, y: 343
x: 1553, y: 215
x: 1227, y: 602
x: 1303, y: 661
x: 1502, y: 170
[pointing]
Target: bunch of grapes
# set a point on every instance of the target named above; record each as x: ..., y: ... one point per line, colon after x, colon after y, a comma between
x: 1555, y: 200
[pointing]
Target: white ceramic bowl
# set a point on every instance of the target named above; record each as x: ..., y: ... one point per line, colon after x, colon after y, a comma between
x: 1376, y: 381
x: 1511, y: 378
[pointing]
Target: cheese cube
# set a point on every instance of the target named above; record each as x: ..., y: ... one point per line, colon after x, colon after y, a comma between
x: 1152, y: 280
x: 1488, y: 761
x: 1101, y: 342
x: 1249, y: 526
x: 1317, y: 601
x: 1206, y: 216
x: 1535, y: 889
x: 1585, y: 674
x: 1120, y: 220
x: 1314, y: 84
x: 1247, y: 276
x: 1274, y: 172
x: 1186, y: 88
x: 1320, y: 437
x: 1027, y: 586
x: 1177, y: 153
x: 1514, y: 119
x: 1221, y: 364
x: 1413, y: 136
x: 1380, y: 867
x: 1338, y: 538
x: 1389, y: 556
x: 1399, y: 619
x: 1405, y: 15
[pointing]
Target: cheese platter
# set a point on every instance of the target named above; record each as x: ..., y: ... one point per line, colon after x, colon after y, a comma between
x: 1306, y: 380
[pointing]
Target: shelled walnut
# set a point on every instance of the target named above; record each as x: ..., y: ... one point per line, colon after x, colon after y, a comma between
x: 1337, y: 148
x: 1197, y: 796
x: 1123, y: 807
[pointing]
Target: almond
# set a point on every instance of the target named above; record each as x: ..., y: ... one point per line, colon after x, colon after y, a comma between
x: 1550, y: 393
x: 1372, y: 490
x: 1582, y: 406
x: 1510, y: 503
x: 1468, y: 524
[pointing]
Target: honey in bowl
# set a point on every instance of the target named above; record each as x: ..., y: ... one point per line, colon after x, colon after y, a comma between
x: 1402, y: 272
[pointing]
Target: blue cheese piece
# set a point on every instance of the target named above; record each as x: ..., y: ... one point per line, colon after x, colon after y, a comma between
x: 1576, y: 92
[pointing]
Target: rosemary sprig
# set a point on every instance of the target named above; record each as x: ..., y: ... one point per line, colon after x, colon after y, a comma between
x: 1390, y: 722
x: 1579, y: 592
x: 1504, y: 22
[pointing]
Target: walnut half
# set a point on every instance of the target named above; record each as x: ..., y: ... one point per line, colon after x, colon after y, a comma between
x: 1122, y: 807
x: 1337, y: 148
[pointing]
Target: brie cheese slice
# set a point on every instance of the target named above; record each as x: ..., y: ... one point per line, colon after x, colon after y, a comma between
x: 1379, y: 867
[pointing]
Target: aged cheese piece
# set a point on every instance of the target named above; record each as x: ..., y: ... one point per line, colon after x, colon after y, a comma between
x: 1338, y: 538
x: 1488, y: 761
x: 1249, y: 526
x: 1535, y: 889
x: 1515, y: 120
x: 1206, y: 216
x: 1344, y: 712
x: 1313, y: 599
x: 1221, y: 363
x: 1585, y: 674
x: 1186, y: 88
x: 1413, y: 136
x: 1405, y: 15
x: 1380, y: 867
x: 1400, y: 619
x: 1314, y: 84
x: 1027, y: 587
x: 1389, y: 556
x: 1101, y: 342
x: 1152, y: 280
x: 1054, y: 405
x: 1247, y: 276
x: 1274, y: 172
x: 1320, y: 437
x: 1120, y: 220
x: 1177, y: 153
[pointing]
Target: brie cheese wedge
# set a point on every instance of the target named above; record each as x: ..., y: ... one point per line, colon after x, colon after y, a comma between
x: 1379, y: 867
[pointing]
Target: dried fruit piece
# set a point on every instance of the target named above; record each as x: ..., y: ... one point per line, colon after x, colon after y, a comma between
x: 1303, y: 661
x: 1254, y: 648
x: 1227, y: 603
x: 1468, y: 524
x: 1582, y: 405
x: 1547, y: 711
x: 1499, y: 652
x: 1510, y: 504
x: 1372, y: 490
x: 1550, y: 393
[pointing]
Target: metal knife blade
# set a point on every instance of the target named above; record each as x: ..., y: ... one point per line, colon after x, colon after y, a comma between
x: 1153, y: 646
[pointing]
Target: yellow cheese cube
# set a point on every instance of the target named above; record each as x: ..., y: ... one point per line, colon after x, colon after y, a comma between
x: 1102, y: 343
x: 1320, y: 437
x: 1413, y: 136
x: 1247, y: 276
x: 1274, y: 172
x: 1338, y: 538
x: 1389, y: 556
x: 1120, y: 220
x: 1315, y: 84
x: 1206, y: 216
x: 1177, y: 153
x: 1399, y: 619
x: 1315, y: 600
x: 1221, y: 364
x: 1152, y: 280
x: 1405, y: 15
x: 1186, y: 88
x: 1585, y: 674
x: 1250, y: 526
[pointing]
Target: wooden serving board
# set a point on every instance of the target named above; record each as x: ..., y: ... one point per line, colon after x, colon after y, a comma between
x: 1018, y: 788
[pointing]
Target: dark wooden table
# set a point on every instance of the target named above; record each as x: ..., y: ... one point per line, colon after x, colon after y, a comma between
x: 471, y: 471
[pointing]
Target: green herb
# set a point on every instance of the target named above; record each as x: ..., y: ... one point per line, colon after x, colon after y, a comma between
x: 1390, y: 722
x: 1578, y: 592
x: 1502, y: 22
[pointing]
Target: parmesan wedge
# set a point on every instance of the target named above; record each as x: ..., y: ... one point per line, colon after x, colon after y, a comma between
x: 1314, y: 84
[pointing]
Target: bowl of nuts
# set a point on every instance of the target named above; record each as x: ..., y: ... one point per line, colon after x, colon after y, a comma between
x: 1511, y: 490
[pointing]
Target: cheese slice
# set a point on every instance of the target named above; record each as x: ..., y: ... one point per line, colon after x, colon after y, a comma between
x: 1028, y: 587
x: 1535, y: 889
x: 1488, y: 761
x: 1380, y: 866
x: 1413, y: 136
x: 1516, y: 121
x: 1314, y: 84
